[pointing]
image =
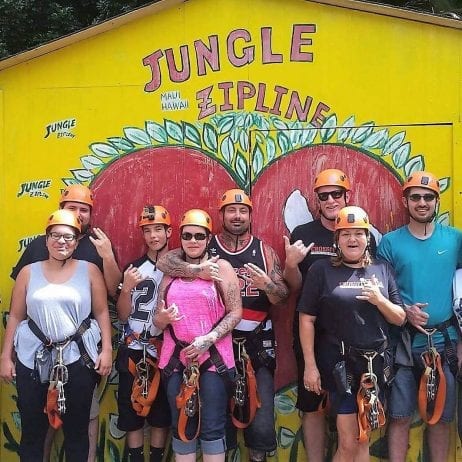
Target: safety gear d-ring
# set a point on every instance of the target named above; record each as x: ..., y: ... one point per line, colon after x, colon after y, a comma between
x: 188, y: 402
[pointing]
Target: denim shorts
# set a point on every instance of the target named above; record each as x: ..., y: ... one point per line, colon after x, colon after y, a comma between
x: 405, y: 388
x: 214, y: 399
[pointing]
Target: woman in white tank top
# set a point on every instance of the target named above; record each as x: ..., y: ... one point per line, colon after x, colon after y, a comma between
x: 52, y: 300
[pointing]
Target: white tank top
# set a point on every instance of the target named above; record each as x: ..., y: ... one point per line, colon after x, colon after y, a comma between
x: 58, y: 310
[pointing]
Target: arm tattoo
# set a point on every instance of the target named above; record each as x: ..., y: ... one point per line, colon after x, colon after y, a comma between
x: 277, y: 289
x: 233, y: 304
x: 172, y: 264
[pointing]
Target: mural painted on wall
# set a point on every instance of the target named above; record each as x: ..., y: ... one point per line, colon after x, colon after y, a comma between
x: 255, y: 134
x: 273, y: 159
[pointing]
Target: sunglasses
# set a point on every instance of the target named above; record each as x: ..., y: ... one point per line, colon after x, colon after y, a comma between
x: 66, y: 237
x: 426, y: 197
x: 196, y: 236
x: 337, y: 194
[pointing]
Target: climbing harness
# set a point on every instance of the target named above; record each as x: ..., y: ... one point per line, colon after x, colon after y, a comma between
x: 56, y: 399
x: 432, y: 387
x: 188, y: 403
x: 371, y: 414
x: 146, y: 377
x: 245, y: 400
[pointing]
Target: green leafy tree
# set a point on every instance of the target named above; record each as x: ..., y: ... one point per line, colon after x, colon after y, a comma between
x: 26, y: 24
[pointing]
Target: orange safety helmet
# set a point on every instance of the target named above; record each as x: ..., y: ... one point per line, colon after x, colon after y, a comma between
x: 197, y: 217
x: 64, y: 217
x: 422, y: 180
x: 352, y: 217
x: 332, y: 177
x: 77, y: 193
x: 154, y: 215
x: 234, y: 196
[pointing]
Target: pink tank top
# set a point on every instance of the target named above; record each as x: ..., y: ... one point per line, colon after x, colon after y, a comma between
x: 200, y: 305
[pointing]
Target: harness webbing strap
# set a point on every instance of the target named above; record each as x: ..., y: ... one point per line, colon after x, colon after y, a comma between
x: 142, y: 405
x: 188, y: 404
x: 76, y: 337
x: 371, y: 414
x: 433, y: 378
x: 252, y: 397
x: 51, y: 407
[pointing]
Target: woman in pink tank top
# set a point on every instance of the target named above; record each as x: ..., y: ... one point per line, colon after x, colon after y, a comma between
x: 198, y: 316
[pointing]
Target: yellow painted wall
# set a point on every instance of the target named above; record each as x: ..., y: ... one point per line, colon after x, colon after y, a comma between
x: 392, y: 87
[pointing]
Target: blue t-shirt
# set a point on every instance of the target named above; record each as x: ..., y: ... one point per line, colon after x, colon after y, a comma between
x: 424, y: 271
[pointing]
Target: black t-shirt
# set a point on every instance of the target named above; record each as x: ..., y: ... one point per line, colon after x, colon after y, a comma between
x: 37, y: 251
x: 323, y: 248
x: 332, y: 291
x: 330, y: 294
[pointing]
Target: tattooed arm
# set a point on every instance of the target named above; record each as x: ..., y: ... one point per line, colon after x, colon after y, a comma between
x: 231, y: 295
x: 172, y: 263
x: 276, y: 289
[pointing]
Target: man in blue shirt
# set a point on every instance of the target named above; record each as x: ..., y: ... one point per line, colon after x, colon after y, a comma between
x: 424, y: 255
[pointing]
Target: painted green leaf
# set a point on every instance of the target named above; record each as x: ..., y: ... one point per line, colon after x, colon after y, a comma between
x: 113, y: 429
x: 328, y: 128
x: 174, y: 130
x: 262, y: 123
x: 259, y: 137
x: 241, y: 167
x: 156, y: 132
x: 91, y: 162
x: 121, y: 143
x: 235, y: 134
x: 414, y: 164
x: 210, y: 137
x: 248, y: 121
x: 137, y: 136
x: 257, y: 160
x: 279, y: 124
x: 444, y: 218
x: 227, y: 149
x: 284, y: 404
x: 270, y: 149
x: 103, y: 150
x: 283, y: 142
x: 345, y: 130
x: 308, y: 135
x: 82, y: 175
x: 294, y: 136
x: 376, y: 140
x: 191, y: 133
x: 244, y: 141
x: 393, y: 143
x: 401, y: 155
x: 225, y: 124
x: 240, y: 120
x: 16, y: 419
x: 359, y: 134
x: 285, y: 437
x: 114, y: 453
x: 444, y: 184
x: 69, y: 181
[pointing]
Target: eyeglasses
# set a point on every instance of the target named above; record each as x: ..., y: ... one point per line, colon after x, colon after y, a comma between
x: 66, y: 237
x: 197, y: 236
x: 426, y: 197
x: 337, y: 194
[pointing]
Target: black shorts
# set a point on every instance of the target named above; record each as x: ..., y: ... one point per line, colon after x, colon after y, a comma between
x: 307, y: 401
x: 129, y: 420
